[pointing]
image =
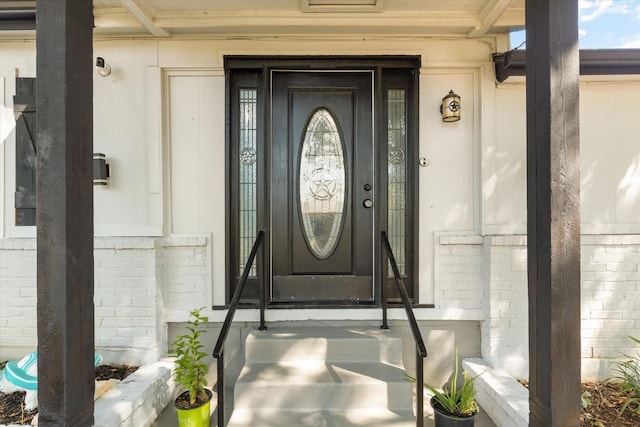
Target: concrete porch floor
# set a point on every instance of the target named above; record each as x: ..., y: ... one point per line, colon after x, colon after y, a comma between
x: 168, y: 418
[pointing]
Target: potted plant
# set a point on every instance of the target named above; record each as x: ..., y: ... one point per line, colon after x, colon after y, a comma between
x: 455, y: 406
x: 194, y: 403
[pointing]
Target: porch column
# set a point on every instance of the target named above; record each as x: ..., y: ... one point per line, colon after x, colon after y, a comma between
x: 553, y: 198
x: 64, y: 212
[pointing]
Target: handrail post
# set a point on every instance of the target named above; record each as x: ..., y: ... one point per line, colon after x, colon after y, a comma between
x: 263, y: 325
x: 220, y: 386
x: 383, y: 297
x: 421, y: 350
x: 218, y: 351
x: 263, y: 288
x: 419, y: 390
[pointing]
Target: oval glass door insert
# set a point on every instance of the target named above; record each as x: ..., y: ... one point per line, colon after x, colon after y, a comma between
x: 322, y: 190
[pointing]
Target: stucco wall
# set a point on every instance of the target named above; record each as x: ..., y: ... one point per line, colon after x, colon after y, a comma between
x: 609, y: 154
x: 159, y: 118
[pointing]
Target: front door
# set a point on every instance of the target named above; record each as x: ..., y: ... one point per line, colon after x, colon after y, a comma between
x: 322, y: 187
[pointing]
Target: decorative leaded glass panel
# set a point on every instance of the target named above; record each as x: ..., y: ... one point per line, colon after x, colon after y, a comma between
x: 247, y: 176
x: 322, y: 187
x: 397, y: 181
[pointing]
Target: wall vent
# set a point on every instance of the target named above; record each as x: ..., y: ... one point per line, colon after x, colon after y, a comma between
x: 329, y: 6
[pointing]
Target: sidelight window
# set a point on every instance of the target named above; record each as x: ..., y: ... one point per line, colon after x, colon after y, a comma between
x: 397, y: 175
x: 248, y: 133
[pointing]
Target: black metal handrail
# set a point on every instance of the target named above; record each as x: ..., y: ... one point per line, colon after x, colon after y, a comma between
x: 421, y: 349
x: 218, y: 351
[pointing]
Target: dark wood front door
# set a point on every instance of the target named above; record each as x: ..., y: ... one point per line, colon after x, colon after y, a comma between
x: 322, y: 187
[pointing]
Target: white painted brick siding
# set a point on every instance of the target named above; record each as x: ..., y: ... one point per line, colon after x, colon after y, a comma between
x: 139, y: 280
x: 133, y: 278
x: 186, y: 273
x: 500, y: 395
x: 126, y: 289
x: 137, y: 401
x: 17, y: 297
x: 505, y: 328
x: 610, y: 299
x: 459, y: 272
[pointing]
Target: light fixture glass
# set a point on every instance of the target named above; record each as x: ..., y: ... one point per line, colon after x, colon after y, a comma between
x: 450, y: 108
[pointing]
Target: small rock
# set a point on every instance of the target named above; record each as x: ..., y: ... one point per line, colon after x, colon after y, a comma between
x: 104, y: 386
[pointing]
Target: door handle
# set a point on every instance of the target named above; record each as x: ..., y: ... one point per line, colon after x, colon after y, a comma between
x: 367, y: 203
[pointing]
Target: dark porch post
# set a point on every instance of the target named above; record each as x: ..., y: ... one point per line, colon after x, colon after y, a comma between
x: 553, y: 198
x: 64, y: 208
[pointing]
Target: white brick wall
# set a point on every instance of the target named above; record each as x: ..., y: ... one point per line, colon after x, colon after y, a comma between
x: 459, y: 272
x: 137, y: 401
x: 17, y: 297
x: 499, y: 394
x: 610, y: 302
x: 135, y: 280
x: 505, y: 326
x: 140, y: 281
x: 128, y: 327
x: 186, y: 273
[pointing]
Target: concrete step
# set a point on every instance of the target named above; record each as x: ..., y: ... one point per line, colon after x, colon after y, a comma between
x: 314, y: 418
x: 331, y: 344
x: 322, y: 385
x: 323, y: 376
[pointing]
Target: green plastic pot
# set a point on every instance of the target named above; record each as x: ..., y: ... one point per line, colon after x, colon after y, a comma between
x: 200, y: 416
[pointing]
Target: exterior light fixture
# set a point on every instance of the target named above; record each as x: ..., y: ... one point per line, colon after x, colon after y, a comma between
x: 450, y: 108
x: 100, y: 169
x: 103, y: 68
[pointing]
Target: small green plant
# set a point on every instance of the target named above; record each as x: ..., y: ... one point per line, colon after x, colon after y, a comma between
x: 585, y: 400
x: 190, y: 367
x: 459, y: 402
x: 628, y: 378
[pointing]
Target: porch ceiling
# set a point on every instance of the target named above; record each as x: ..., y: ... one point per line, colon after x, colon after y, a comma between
x: 169, y: 18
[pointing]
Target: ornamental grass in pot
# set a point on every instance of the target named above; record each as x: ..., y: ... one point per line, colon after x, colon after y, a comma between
x: 193, y: 404
x: 455, y: 406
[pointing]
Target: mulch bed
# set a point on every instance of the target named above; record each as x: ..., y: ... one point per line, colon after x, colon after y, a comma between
x: 604, y: 407
x: 12, y: 404
x: 108, y: 372
x: 603, y: 403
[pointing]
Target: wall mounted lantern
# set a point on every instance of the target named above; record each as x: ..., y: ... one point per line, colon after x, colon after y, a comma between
x: 100, y: 169
x: 450, y: 108
x: 103, y: 68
